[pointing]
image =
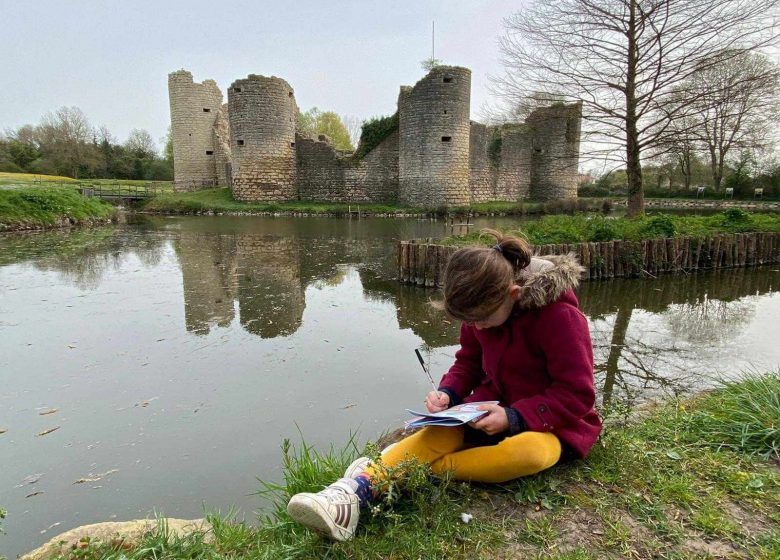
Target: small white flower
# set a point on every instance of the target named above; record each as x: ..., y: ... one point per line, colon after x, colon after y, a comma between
x: 466, y: 517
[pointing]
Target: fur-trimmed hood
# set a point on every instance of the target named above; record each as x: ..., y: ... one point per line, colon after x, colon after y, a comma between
x: 546, y: 279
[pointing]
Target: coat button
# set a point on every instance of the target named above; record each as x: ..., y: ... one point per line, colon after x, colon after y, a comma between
x: 542, y: 408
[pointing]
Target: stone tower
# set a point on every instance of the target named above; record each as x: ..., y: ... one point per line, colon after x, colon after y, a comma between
x: 194, y: 110
x: 433, y: 164
x: 262, y: 115
x: 555, y: 150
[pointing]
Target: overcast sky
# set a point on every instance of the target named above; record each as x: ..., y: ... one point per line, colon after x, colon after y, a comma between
x: 112, y: 58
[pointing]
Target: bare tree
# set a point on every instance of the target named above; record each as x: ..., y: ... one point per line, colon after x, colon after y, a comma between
x: 625, y: 59
x: 736, y: 108
x: 354, y: 127
x: 141, y: 143
x: 67, y: 139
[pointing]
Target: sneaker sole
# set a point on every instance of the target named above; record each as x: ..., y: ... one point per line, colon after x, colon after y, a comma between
x: 309, y: 513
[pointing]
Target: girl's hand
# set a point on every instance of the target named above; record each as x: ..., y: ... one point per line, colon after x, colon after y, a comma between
x: 494, y: 422
x: 437, y: 401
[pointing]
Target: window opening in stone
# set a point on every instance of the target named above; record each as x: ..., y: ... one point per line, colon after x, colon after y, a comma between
x: 445, y: 111
x: 289, y: 94
x: 446, y: 138
x: 209, y: 152
x: 538, y: 150
x: 237, y: 90
x: 447, y: 79
x: 240, y: 142
x: 292, y: 144
x: 205, y: 110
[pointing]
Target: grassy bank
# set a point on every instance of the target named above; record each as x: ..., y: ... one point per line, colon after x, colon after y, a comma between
x: 47, y: 207
x: 221, y: 201
x: 579, y: 228
x: 691, y: 479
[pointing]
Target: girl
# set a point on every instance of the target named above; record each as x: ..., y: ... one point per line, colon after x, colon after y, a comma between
x: 524, y: 343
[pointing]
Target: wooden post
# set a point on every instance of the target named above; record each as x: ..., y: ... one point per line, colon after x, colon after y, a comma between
x: 750, y: 249
x: 419, y: 278
x: 594, y: 260
x: 430, y: 261
x: 585, y: 260
x: 412, y: 260
x: 619, y: 259
x: 403, y: 275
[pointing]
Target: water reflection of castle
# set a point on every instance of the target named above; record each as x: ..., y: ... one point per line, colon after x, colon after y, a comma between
x: 267, y: 275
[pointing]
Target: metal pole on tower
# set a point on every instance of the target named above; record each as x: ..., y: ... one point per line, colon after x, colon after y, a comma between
x: 433, y: 40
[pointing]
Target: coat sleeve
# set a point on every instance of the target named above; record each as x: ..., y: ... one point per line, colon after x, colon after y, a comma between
x: 466, y: 373
x: 563, y: 336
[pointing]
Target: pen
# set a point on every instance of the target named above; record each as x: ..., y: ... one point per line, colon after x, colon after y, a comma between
x: 425, y: 369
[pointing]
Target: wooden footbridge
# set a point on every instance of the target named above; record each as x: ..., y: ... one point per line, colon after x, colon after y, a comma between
x: 118, y: 191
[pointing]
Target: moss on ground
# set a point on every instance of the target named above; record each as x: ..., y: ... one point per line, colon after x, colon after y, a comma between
x: 688, y: 480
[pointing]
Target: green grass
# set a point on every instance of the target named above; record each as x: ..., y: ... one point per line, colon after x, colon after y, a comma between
x: 41, y: 207
x: 221, y: 200
x: 35, y: 180
x: 580, y: 228
x: 668, y: 485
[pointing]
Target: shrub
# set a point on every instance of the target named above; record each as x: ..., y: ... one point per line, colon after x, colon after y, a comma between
x: 601, y: 229
x: 10, y: 167
x: 661, y: 225
x: 374, y: 131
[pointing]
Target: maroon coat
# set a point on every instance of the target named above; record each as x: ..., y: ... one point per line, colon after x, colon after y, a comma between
x: 540, y: 362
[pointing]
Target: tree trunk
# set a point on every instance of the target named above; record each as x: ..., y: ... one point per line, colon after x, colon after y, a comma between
x: 636, y: 200
x: 622, y: 319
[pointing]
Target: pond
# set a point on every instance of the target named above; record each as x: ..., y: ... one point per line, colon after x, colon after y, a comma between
x: 173, y: 356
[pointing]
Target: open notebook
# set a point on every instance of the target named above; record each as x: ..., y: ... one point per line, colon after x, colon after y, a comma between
x: 454, y: 416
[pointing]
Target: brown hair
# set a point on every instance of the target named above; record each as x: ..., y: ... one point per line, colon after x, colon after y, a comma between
x: 477, y: 279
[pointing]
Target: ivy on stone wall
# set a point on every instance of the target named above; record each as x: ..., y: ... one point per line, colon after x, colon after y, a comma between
x: 374, y: 131
x: 494, y: 148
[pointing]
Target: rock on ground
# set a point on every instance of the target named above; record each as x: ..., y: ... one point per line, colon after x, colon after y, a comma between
x: 125, y: 534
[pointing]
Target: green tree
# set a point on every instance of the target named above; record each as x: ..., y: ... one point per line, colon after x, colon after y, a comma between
x: 314, y: 122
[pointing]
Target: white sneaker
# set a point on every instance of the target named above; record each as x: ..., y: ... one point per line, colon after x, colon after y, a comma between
x: 360, y: 464
x: 333, y: 512
x: 357, y: 467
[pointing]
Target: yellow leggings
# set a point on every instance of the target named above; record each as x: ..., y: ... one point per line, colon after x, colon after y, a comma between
x: 443, y: 448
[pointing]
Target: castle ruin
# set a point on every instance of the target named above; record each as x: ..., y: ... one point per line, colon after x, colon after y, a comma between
x: 436, y: 156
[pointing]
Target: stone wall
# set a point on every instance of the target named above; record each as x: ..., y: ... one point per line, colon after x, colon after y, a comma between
x: 555, y: 151
x: 434, y: 131
x: 262, y: 131
x: 514, y: 174
x: 329, y: 175
x: 438, y: 157
x: 500, y: 162
x: 194, y: 109
x: 482, y: 163
x: 223, y: 158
